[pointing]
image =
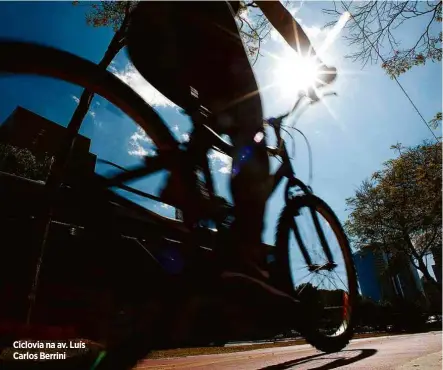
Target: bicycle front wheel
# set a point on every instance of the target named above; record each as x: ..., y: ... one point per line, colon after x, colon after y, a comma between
x: 327, y: 290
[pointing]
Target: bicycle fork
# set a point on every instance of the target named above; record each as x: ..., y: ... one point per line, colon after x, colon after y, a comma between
x: 330, y: 264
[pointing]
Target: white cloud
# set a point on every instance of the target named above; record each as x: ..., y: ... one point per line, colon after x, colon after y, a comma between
x: 77, y: 100
x: 225, y: 169
x: 135, y: 80
x: 136, y: 141
x: 112, y: 67
x: 275, y: 35
x: 140, y: 135
x: 138, y: 151
x: 222, y: 161
x: 90, y: 112
x: 165, y: 206
x: 314, y: 33
x: 294, y: 9
x: 185, y: 137
x: 220, y: 157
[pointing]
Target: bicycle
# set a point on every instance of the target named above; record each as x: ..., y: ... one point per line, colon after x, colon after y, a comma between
x: 27, y: 58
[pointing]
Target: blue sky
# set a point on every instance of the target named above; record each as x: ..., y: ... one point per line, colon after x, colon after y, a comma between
x: 350, y: 140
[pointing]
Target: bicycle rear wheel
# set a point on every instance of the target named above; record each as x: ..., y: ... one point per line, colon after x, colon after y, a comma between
x: 21, y: 58
x: 328, y: 295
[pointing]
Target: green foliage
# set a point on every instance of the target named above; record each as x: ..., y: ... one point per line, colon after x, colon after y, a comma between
x: 375, y: 31
x: 399, y: 207
x: 403, y: 60
x: 395, y: 316
x: 108, y: 13
x: 434, y: 122
x: 115, y: 14
x: 21, y: 162
x: 254, y: 28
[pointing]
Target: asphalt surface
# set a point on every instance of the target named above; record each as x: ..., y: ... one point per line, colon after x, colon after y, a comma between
x: 403, y: 352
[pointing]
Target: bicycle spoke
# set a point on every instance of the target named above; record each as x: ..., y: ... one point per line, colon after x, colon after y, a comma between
x: 327, y: 283
x: 324, y: 277
x: 306, y: 284
x: 340, y: 279
x: 333, y: 283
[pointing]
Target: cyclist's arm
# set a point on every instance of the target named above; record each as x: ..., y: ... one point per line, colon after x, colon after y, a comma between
x: 286, y: 25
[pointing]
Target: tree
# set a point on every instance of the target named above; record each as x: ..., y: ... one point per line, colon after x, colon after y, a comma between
x: 254, y: 28
x: 115, y: 14
x: 21, y: 162
x: 374, y: 29
x: 434, y: 122
x: 399, y: 207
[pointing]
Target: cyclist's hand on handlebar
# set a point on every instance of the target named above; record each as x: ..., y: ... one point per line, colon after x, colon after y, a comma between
x: 326, y: 75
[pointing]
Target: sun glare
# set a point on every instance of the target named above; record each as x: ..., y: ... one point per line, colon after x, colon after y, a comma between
x: 293, y: 73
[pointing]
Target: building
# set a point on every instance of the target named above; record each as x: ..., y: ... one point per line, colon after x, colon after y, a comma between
x: 372, y: 277
x: 383, y: 279
x: 101, y: 257
x: 83, y: 270
x: 42, y: 137
x: 408, y: 280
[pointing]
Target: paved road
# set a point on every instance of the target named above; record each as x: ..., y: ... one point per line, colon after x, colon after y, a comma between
x: 413, y: 351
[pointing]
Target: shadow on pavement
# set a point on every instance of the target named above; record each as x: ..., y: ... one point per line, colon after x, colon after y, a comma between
x: 339, y: 359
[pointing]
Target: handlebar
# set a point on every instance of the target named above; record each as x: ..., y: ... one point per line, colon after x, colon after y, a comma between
x: 276, y: 121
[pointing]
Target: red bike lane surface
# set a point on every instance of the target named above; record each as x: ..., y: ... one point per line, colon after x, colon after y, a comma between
x: 409, y: 351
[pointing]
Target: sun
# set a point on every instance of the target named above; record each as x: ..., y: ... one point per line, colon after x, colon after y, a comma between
x: 294, y: 73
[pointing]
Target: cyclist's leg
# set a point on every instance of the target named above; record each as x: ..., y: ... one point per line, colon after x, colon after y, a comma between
x: 250, y: 187
x: 214, y: 62
x: 232, y: 85
x: 200, y: 46
x: 233, y: 89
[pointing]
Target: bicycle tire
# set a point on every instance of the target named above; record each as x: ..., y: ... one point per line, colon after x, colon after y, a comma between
x: 312, y: 335
x: 23, y: 58
x: 36, y: 59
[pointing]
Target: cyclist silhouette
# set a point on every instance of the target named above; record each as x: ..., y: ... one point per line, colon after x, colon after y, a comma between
x: 182, y: 47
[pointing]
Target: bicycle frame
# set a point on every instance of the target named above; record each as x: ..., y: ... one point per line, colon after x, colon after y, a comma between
x: 202, y: 140
x: 34, y: 59
x: 285, y: 170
